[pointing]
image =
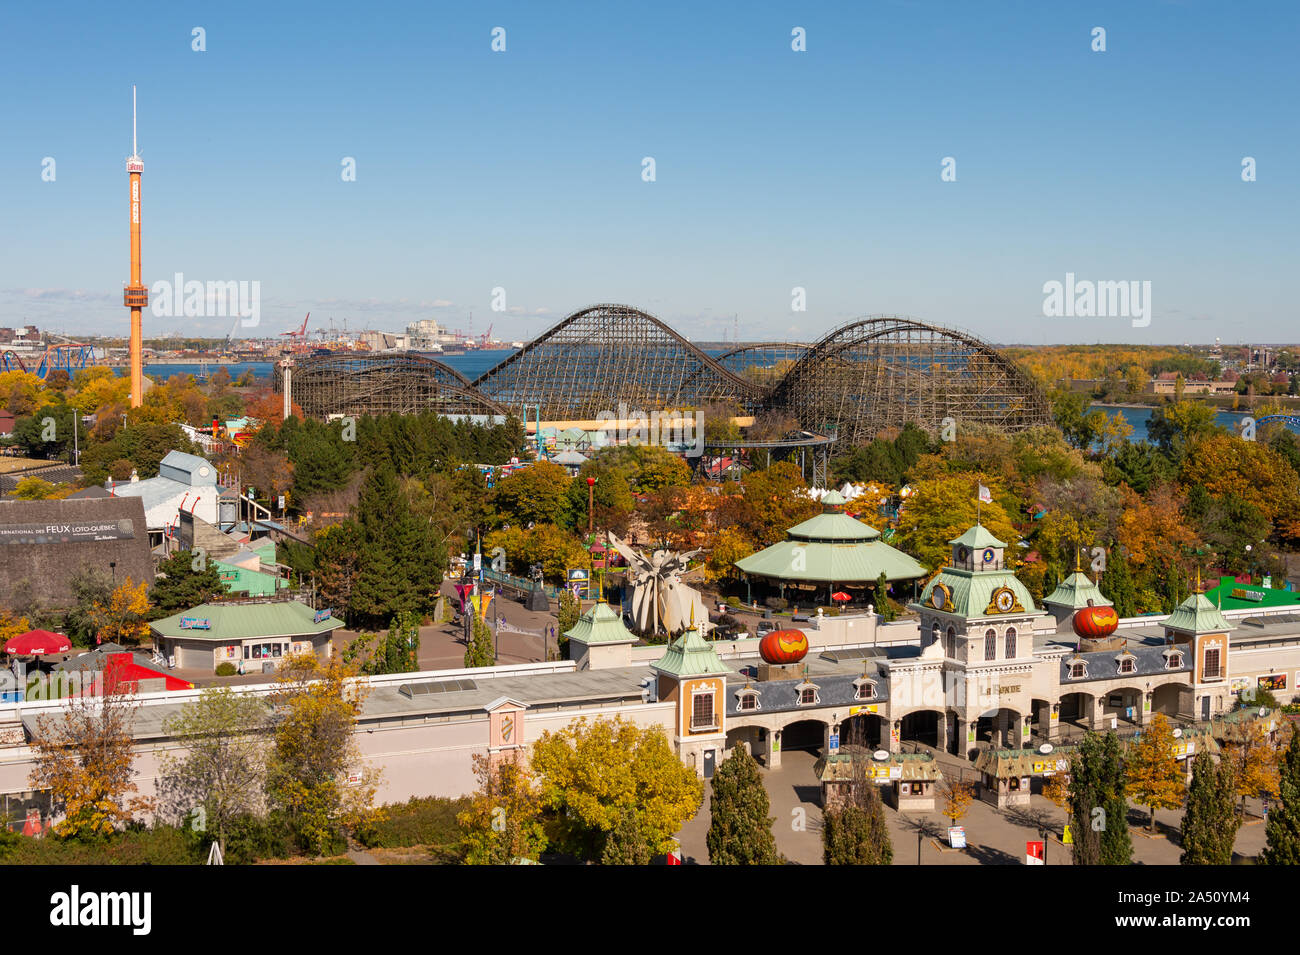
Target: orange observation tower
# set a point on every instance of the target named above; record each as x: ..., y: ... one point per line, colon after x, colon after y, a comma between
x: 135, y: 296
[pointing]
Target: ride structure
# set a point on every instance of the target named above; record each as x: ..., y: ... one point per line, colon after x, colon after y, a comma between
x: 135, y: 296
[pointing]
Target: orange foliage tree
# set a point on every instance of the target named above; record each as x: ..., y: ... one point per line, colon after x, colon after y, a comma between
x: 83, y: 757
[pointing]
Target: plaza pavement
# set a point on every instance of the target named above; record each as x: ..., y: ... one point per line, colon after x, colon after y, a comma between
x: 993, y: 836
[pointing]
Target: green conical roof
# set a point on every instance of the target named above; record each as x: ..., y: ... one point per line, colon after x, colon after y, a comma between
x: 690, y: 655
x: 834, y: 498
x: 600, y: 624
x: 833, y: 526
x: 1077, y: 591
x: 978, y: 536
x: 1197, y: 615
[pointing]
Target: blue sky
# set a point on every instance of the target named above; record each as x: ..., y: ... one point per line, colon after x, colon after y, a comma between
x: 774, y: 168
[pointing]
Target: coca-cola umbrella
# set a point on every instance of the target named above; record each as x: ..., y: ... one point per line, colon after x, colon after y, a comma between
x: 841, y: 596
x: 37, y: 643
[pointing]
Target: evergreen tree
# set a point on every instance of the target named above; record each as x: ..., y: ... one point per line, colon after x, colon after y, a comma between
x: 1211, y: 821
x: 1097, y: 803
x: 188, y: 580
x: 741, y: 830
x: 883, y: 606
x: 1117, y: 583
x: 480, y: 652
x: 400, y: 565
x: 1283, y: 828
x: 625, y: 844
x: 855, y: 833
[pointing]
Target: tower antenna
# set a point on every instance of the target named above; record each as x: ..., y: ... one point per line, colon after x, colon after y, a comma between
x: 135, y: 148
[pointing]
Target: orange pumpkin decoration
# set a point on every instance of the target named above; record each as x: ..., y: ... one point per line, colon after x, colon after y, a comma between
x: 784, y: 646
x: 1095, y: 621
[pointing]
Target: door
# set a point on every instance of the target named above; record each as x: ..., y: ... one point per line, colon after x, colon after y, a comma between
x: 709, y: 757
x: 1205, y: 707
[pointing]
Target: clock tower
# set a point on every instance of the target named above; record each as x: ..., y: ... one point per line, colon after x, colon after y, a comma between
x: 978, y: 618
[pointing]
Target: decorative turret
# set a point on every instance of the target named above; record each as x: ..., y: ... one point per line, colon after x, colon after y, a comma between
x: 691, y: 676
x: 599, y: 639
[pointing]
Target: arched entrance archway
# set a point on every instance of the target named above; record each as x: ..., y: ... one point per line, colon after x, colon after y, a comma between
x: 865, y: 729
x: 998, y: 729
x: 1076, y: 712
x: 807, y: 735
x: 921, y: 726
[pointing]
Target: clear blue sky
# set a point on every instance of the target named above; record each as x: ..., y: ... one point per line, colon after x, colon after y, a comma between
x: 775, y: 169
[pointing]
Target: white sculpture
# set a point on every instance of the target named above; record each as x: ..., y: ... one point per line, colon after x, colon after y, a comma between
x: 660, y: 601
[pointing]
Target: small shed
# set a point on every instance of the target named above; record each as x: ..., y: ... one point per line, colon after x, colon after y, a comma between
x: 908, y: 779
x: 1008, y: 773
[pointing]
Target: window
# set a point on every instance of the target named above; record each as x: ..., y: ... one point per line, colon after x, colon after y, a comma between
x: 807, y: 695
x: 1173, y: 661
x: 748, y: 701
x: 1079, y: 670
x: 991, y: 645
x: 1011, y: 643
x: 950, y: 649
x: 702, y: 717
x: 866, y: 690
x: 1127, y: 665
x: 1212, y: 671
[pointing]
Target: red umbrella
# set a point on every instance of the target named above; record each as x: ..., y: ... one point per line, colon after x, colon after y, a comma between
x: 36, y: 642
x: 840, y: 596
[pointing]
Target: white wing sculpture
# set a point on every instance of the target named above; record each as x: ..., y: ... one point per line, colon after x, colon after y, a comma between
x: 660, y: 601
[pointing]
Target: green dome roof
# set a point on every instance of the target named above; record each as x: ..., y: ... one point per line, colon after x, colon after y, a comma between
x: 833, y: 527
x: 600, y: 624
x: 1077, y: 591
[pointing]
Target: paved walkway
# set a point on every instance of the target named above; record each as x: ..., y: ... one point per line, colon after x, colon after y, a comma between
x: 994, y: 837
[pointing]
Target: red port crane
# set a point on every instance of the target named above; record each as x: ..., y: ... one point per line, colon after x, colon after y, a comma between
x: 299, y: 337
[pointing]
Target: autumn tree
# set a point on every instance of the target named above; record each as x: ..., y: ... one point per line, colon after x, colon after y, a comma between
x: 1210, y: 822
x: 503, y: 822
x: 590, y: 772
x: 1097, y: 802
x: 316, y: 772
x: 740, y: 832
x: 221, y: 769
x: 943, y: 509
x: 537, y: 494
x: 124, y: 617
x: 84, y: 758
x: 1153, y: 776
x: 1283, y: 828
x: 1254, y: 761
x: 957, y: 798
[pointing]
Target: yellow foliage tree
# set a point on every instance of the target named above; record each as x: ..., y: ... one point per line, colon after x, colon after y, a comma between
x: 957, y: 798
x: 11, y: 625
x: 942, y: 509
x: 1227, y: 466
x: 1152, y: 775
x: 591, y: 773
x: 125, y: 618
x: 316, y: 771
x: 84, y: 757
x: 1255, y: 759
x: 503, y: 822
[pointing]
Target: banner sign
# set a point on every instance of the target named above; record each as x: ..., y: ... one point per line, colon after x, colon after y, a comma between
x: 320, y: 615
x: 195, y: 623
x: 77, y: 533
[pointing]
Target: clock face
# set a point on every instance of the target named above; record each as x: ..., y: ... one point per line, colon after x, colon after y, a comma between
x: 1005, y: 600
x: 939, y: 596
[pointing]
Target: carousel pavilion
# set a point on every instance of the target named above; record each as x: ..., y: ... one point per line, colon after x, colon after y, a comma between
x: 831, y: 550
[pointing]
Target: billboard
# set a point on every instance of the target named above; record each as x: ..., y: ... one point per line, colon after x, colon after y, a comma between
x: 74, y: 533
